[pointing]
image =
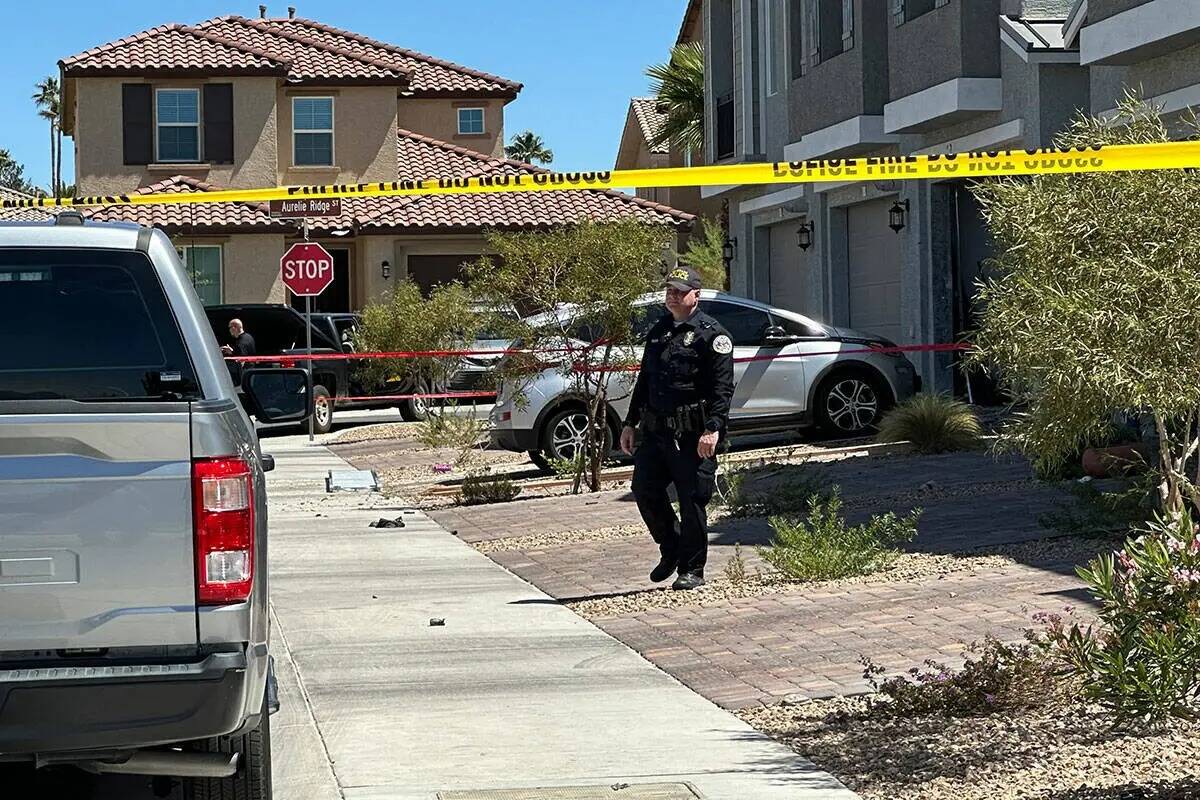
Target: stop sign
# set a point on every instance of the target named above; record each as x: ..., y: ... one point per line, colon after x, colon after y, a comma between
x: 306, y: 269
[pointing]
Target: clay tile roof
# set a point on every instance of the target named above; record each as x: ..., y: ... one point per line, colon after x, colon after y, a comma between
x: 430, y: 76
x: 417, y: 156
x: 192, y: 217
x: 310, y: 59
x: 422, y: 156
x: 650, y: 120
x: 21, y: 214
x: 175, y: 49
x: 303, y: 50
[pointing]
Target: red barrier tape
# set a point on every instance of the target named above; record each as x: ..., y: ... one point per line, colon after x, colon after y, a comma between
x: 400, y: 354
x: 426, y: 396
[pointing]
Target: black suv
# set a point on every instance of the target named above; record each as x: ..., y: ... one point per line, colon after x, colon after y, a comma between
x: 279, y: 330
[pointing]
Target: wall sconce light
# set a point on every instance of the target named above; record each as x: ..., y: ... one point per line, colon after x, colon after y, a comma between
x: 729, y: 250
x: 804, y: 235
x: 897, y: 215
x: 386, y: 269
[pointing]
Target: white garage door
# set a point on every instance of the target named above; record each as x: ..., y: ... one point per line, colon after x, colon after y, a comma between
x: 787, y: 268
x: 874, y: 270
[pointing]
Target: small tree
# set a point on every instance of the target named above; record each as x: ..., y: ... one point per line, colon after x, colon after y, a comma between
x: 405, y: 321
x: 578, y: 284
x: 1094, y: 307
x: 705, y: 253
x: 527, y: 146
x: 679, y: 89
x: 12, y: 174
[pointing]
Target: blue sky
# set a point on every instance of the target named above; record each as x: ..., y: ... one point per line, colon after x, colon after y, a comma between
x: 580, y: 60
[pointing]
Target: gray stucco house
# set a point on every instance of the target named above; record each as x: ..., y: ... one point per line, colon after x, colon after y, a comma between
x: 809, y: 79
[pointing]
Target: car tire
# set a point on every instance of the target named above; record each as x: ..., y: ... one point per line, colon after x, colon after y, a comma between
x: 850, y: 403
x: 539, y: 460
x: 564, y: 427
x: 322, y: 410
x: 252, y: 781
x: 415, y: 409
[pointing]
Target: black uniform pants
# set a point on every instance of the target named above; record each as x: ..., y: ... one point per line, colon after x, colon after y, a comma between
x: 658, y: 464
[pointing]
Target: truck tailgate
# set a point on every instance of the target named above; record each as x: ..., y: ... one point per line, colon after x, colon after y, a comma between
x: 96, y: 548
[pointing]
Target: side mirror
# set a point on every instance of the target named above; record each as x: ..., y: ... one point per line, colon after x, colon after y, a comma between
x: 775, y: 336
x: 278, y: 395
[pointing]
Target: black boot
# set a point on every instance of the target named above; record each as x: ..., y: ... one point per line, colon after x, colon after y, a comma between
x: 666, y: 566
x: 689, y: 580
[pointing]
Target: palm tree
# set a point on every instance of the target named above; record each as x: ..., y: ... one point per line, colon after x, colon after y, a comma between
x: 529, y: 147
x: 679, y: 88
x: 46, y: 97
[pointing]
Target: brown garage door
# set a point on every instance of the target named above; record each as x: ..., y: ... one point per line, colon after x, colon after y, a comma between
x: 874, y: 270
x: 430, y: 271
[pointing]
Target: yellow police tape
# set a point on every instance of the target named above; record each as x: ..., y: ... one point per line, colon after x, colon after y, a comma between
x: 975, y: 164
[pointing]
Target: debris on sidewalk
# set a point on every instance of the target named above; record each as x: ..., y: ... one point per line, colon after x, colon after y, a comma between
x: 384, y: 522
x: 351, y: 480
x: 437, y: 622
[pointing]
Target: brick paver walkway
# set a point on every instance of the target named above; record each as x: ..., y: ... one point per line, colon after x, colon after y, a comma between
x: 747, y: 651
x: 752, y: 651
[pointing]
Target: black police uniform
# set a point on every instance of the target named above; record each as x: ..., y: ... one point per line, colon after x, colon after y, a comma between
x: 683, y: 389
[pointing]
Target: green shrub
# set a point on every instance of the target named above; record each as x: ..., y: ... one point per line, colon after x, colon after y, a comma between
x: 770, y: 490
x: 933, y: 423
x: 823, y: 547
x: 442, y: 428
x: 994, y: 677
x: 1093, y: 511
x: 735, y: 571
x: 481, y: 489
x: 1143, y: 664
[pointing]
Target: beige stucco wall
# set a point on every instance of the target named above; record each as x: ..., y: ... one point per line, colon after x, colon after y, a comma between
x: 439, y: 119
x: 364, y: 136
x: 251, y: 268
x: 373, y: 251
x: 99, y: 161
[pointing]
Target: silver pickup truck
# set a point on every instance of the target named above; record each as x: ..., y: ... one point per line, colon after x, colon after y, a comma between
x: 133, y: 517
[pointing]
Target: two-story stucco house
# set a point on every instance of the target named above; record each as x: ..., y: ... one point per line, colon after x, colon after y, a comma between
x: 233, y: 102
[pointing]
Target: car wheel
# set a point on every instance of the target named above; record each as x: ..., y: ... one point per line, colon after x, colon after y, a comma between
x: 563, y: 435
x: 850, y: 403
x: 322, y: 410
x: 252, y: 781
x: 415, y: 409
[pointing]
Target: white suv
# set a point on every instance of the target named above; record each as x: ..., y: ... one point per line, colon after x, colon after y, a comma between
x: 836, y: 388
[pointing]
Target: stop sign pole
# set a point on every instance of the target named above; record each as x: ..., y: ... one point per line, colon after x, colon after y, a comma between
x: 307, y: 270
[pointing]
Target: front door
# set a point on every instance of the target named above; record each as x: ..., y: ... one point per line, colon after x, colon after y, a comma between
x: 335, y: 299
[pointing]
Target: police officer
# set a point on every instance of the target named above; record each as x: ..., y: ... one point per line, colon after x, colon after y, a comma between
x: 681, y: 400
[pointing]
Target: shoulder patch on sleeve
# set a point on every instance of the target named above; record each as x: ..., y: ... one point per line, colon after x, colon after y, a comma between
x: 723, y: 345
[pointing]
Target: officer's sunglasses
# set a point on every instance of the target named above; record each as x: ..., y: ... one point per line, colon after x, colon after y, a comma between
x: 672, y: 291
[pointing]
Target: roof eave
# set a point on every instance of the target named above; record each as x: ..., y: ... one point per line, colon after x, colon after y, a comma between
x: 173, y: 72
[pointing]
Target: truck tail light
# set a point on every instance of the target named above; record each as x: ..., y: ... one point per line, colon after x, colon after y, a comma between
x: 223, y: 497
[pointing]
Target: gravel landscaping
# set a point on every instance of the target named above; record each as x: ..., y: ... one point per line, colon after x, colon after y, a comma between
x: 907, y: 567
x: 1044, y: 754
x: 542, y: 540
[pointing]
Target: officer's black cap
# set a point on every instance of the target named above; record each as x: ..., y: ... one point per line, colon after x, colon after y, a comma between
x: 682, y: 278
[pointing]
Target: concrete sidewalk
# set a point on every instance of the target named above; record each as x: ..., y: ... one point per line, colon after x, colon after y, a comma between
x: 513, y: 692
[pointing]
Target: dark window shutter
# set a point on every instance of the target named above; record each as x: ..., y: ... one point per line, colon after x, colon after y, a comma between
x: 218, y: 123
x: 137, y: 123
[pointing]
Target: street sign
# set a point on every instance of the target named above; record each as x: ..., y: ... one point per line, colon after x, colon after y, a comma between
x: 301, y: 207
x: 306, y: 269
